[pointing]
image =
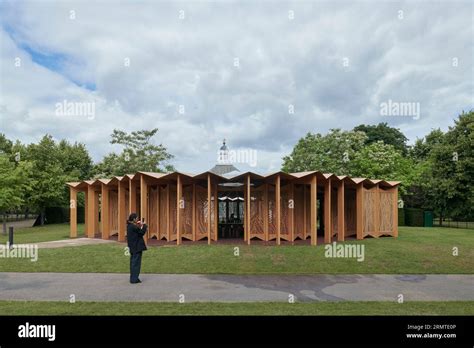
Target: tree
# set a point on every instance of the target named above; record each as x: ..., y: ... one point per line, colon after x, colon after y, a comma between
x: 382, y: 132
x: 14, y: 185
x: 381, y: 161
x: 5, y: 144
x: 75, y: 159
x: 330, y: 153
x: 422, y: 149
x: 47, y: 177
x: 347, y: 153
x: 447, y: 162
x: 138, y: 154
x: 53, y: 165
x: 462, y: 136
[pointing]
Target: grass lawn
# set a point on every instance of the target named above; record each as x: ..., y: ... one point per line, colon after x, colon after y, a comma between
x: 44, y: 233
x: 416, y: 250
x: 262, y: 308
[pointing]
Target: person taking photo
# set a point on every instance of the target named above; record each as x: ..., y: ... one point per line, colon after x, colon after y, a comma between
x: 136, y: 245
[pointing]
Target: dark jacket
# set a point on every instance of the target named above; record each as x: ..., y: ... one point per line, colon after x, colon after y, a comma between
x: 135, y: 237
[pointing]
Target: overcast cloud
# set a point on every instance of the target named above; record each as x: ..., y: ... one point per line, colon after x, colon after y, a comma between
x: 335, y: 62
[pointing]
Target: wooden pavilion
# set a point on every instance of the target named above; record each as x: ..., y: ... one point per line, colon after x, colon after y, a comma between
x: 208, y: 206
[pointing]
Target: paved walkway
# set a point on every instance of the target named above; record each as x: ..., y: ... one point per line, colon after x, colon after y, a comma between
x: 72, y: 242
x: 234, y: 288
x: 68, y: 243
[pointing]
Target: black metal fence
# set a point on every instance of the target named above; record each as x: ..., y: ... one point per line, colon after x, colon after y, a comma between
x: 453, y: 223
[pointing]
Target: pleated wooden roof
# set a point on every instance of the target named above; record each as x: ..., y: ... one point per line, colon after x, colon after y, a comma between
x: 234, y: 178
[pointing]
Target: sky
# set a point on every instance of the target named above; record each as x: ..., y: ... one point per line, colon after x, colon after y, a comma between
x: 259, y: 74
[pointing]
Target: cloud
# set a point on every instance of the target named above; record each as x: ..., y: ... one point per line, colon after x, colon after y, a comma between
x: 230, y: 70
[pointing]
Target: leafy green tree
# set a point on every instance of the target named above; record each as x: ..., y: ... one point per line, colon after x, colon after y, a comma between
x: 381, y: 161
x: 53, y: 164
x: 75, y: 160
x: 348, y: 153
x: 382, y: 132
x: 14, y: 185
x: 5, y: 144
x: 48, y: 177
x: 331, y: 153
x: 462, y: 136
x: 422, y: 149
x: 447, y: 162
x: 138, y: 154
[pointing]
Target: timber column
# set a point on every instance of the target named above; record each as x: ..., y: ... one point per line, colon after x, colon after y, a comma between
x: 360, y: 211
x: 121, y: 212
x: 209, y: 209
x: 247, y: 209
x: 104, y: 208
x: 144, y: 203
x: 278, y: 208
x: 327, y: 212
x: 340, y: 212
x: 180, y: 205
x: 73, y: 212
x: 395, y: 211
x: 314, y: 210
x: 291, y: 207
x: 132, y: 197
x: 265, y: 211
x: 92, y: 212
x: 376, y: 210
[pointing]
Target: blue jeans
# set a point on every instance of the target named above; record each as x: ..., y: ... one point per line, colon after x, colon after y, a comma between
x: 135, y: 265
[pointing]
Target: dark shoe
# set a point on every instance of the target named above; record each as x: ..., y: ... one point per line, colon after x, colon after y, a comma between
x: 138, y: 281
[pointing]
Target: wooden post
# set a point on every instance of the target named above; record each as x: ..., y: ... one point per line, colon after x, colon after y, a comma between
x: 73, y: 213
x: 278, y: 208
x: 395, y: 211
x: 313, y: 213
x: 360, y: 210
x: 91, y: 225
x: 304, y: 214
x: 168, y: 213
x: 96, y: 213
x: 179, y: 206
x: 340, y: 212
x: 376, y: 210
x: 291, y: 206
x: 158, y: 216
x: 327, y: 212
x: 122, y: 218
x: 216, y: 211
x: 86, y: 213
x: 132, y: 197
x: 209, y: 209
x: 247, y: 208
x: 104, y: 217
x: 144, y: 203
x: 194, y: 212
x: 265, y: 211
x: 246, y: 198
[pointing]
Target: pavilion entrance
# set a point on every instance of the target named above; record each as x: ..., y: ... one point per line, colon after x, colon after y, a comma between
x: 231, y: 214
